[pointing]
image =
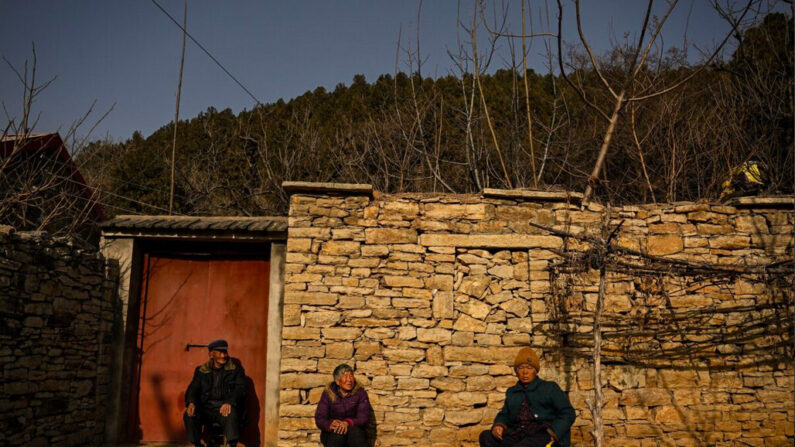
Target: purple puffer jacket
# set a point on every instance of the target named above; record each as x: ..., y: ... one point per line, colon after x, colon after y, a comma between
x: 354, y: 409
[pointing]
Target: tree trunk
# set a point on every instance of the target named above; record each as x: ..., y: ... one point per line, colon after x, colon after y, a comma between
x: 611, y: 127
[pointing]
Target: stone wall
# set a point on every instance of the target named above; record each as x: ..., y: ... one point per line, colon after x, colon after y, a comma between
x: 430, y: 296
x: 57, y: 307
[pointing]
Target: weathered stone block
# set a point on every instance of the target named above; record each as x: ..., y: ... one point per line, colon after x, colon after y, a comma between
x: 481, y: 383
x: 729, y: 242
x: 502, y: 271
x: 480, y: 354
x: 300, y: 258
x: 474, y: 285
x: 476, y: 309
x: 491, y: 240
x: 299, y: 245
x: 297, y: 410
x: 390, y: 236
x: 337, y: 248
x: 447, y: 384
x: 516, y: 307
x: 464, y: 399
x: 402, y: 281
x: 404, y: 355
x: 469, y: 324
x: 323, y: 318
x: 645, y: 397
x: 343, y: 350
x: 411, y: 383
x: 462, y: 417
x: 303, y: 380
x: 374, y: 250
x: 434, y: 335
x: 298, y: 365
x: 371, y: 367
x: 664, y: 244
x: 300, y: 333
x: 372, y: 322
x: 310, y: 298
x: 303, y: 351
x: 664, y: 228
x: 423, y: 294
x: 341, y: 333
x: 385, y: 383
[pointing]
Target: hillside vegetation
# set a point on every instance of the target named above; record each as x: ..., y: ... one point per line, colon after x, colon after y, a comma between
x: 407, y: 133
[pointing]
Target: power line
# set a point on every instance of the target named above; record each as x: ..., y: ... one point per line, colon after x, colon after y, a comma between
x: 104, y: 204
x: 129, y: 182
x: 207, y: 53
x: 96, y: 190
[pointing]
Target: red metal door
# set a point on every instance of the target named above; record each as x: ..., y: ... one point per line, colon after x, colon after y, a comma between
x: 193, y: 300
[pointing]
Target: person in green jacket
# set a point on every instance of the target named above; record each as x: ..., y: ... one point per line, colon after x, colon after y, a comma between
x: 536, y: 413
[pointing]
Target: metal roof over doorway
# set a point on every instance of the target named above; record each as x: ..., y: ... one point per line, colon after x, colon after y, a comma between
x: 200, y: 227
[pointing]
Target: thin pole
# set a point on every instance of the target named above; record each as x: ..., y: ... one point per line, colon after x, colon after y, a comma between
x: 176, y: 113
x: 527, y: 103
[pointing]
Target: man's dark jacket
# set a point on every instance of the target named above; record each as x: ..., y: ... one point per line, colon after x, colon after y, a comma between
x: 232, y: 383
x: 548, y: 403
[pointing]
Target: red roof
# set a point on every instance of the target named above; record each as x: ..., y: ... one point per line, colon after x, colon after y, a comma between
x: 52, y: 144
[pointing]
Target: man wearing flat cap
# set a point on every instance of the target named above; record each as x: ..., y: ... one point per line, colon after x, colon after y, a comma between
x: 536, y: 413
x: 215, y: 395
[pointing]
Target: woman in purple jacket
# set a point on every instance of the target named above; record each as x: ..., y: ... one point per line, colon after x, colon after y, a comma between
x: 343, y: 411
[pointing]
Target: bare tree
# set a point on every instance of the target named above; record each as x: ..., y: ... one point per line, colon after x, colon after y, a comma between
x: 41, y: 188
x: 626, y: 89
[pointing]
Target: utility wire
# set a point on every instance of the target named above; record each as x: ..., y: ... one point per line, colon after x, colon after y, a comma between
x: 207, y: 53
x: 98, y: 191
x: 104, y: 204
x: 138, y: 185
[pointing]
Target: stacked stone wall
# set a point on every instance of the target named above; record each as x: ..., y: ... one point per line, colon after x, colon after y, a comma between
x: 57, y: 305
x: 429, y: 297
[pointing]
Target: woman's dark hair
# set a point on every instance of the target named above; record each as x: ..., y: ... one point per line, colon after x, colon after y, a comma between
x: 341, y: 369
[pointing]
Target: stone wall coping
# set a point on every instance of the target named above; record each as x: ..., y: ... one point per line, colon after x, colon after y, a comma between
x: 763, y: 202
x: 291, y: 187
x: 539, y: 195
x: 523, y: 241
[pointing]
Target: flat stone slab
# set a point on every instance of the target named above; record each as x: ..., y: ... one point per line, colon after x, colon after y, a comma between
x: 491, y: 240
x: 317, y: 187
x: 763, y: 202
x: 534, y: 195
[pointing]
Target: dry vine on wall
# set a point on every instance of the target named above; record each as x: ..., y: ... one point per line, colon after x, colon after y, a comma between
x: 619, y: 306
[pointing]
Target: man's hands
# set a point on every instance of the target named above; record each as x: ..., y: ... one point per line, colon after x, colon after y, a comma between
x: 226, y: 409
x: 339, y: 427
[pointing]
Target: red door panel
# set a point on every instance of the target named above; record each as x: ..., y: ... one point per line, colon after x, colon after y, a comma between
x: 194, y: 301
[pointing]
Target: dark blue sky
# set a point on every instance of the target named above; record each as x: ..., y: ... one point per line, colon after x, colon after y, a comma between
x: 127, y: 52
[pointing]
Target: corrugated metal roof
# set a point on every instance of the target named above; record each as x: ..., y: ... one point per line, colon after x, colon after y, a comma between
x: 260, y: 224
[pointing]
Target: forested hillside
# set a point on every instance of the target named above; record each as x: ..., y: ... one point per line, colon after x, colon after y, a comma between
x: 407, y: 133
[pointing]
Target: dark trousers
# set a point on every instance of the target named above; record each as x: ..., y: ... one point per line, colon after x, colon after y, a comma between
x: 356, y: 437
x: 206, y: 416
x: 515, y: 439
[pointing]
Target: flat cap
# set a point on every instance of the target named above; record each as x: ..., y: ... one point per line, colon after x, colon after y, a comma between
x: 218, y: 345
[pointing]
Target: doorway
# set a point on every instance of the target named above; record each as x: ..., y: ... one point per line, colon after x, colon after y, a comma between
x: 191, y: 295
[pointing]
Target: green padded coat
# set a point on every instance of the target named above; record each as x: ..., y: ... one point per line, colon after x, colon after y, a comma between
x: 547, y: 402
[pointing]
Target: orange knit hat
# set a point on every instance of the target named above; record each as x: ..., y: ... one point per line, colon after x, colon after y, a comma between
x: 528, y: 356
